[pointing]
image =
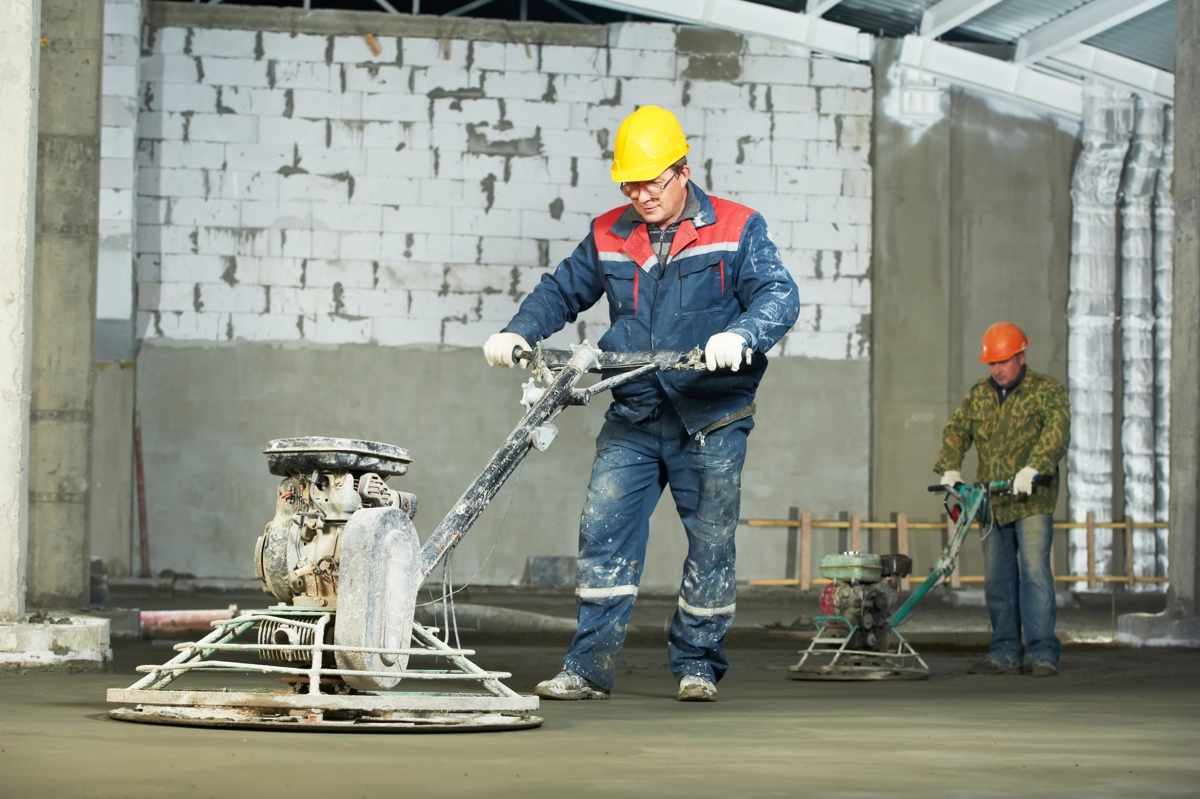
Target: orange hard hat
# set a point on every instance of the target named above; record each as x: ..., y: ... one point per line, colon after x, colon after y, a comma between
x: 1002, y: 341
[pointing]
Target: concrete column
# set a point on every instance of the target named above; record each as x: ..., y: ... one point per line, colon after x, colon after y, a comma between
x: 32, y: 314
x: 19, y: 55
x: 64, y: 290
x: 1179, y: 624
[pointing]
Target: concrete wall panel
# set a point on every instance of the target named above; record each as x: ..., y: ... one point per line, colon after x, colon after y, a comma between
x: 971, y: 226
x: 208, y: 411
x: 110, y: 516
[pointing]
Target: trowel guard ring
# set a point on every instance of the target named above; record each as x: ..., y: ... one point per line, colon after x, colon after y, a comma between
x: 287, y: 456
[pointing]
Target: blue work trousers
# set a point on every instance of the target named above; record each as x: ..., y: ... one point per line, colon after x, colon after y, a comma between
x: 634, y: 462
x: 1019, y: 589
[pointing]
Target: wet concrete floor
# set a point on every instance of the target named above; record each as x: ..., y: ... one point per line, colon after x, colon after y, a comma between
x: 1116, y: 722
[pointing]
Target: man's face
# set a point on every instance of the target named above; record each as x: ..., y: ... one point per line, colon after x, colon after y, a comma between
x: 1005, y: 372
x: 660, y: 201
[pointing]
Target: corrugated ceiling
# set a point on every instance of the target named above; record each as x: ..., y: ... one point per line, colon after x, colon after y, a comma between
x: 891, y: 17
x: 1149, y: 38
x: 1012, y: 19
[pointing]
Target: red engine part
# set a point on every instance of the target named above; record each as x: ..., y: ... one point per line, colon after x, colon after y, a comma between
x: 827, y: 608
x: 955, y: 512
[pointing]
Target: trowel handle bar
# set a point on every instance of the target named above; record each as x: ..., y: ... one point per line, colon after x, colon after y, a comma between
x: 610, y: 361
x: 997, y: 486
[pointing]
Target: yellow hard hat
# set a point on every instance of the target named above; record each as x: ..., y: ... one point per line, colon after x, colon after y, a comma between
x: 648, y: 141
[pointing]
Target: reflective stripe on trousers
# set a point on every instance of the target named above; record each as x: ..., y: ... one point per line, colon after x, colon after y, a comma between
x: 634, y: 463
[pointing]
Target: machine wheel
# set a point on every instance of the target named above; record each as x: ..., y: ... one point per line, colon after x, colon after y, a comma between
x: 377, y: 593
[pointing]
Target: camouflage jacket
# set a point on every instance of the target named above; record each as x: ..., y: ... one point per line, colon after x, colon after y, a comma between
x: 1031, y: 428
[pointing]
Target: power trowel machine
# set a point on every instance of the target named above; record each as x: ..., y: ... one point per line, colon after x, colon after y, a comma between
x: 343, y: 558
x: 858, y: 636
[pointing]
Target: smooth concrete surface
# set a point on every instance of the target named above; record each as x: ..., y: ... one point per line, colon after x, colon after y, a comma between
x: 972, y: 226
x: 1115, y: 723
x: 207, y: 412
x: 68, y: 196
x: 1181, y: 622
x: 55, y: 642
x: 112, y: 528
x: 19, y: 55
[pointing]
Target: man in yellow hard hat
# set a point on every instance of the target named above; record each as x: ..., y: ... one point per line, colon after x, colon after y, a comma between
x: 1020, y: 423
x: 680, y: 270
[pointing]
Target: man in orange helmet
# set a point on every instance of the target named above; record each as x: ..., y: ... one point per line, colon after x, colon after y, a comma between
x: 1019, y: 421
x: 680, y: 270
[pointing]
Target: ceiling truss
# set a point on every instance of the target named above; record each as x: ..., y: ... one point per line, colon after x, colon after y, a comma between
x: 1048, y: 69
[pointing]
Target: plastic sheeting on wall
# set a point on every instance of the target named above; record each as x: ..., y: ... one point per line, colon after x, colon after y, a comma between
x: 1164, y: 261
x: 1137, y: 327
x: 1107, y: 124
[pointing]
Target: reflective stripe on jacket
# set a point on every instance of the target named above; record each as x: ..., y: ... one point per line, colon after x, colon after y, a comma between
x: 724, y: 274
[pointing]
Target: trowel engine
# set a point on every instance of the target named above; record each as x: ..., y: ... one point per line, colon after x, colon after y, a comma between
x: 299, y: 555
x: 863, y: 589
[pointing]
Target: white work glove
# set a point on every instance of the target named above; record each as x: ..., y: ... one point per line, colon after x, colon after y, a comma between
x: 725, y: 350
x: 1023, y: 482
x: 499, y: 349
x: 951, y: 478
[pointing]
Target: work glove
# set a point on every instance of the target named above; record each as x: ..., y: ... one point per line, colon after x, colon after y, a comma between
x: 499, y: 349
x: 725, y: 350
x: 1023, y: 482
x: 951, y: 478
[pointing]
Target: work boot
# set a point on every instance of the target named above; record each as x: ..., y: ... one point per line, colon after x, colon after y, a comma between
x: 569, y: 685
x: 989, y: 666
x: 1044, y: 668
x: 696, y: 689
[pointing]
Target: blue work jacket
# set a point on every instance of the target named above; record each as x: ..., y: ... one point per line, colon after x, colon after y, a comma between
x: 723, y: 274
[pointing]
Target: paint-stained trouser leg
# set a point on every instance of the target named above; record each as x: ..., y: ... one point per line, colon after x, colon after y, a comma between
x: 706, y: 482
x: 627, y: 481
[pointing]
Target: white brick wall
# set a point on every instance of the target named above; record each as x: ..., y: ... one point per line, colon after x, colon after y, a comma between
x: 296, y: 187
x: 118, y: 152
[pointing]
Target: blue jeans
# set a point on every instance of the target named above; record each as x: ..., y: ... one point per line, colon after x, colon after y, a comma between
x: 1019, y: 589
x: 634, y: 462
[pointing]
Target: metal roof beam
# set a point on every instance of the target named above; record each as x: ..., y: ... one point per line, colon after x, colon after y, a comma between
x: 1082, y: 23
x: 819, y: 7
x: 1084, y: 60
x: 949, y: 14
x: 965, y: 68
x: 843, y: 41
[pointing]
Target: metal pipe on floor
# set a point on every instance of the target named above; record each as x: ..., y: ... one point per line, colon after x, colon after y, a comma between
x: 170, y: 623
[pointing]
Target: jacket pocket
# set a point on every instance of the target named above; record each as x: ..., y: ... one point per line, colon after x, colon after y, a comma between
x: 702, y: 284
x: 620, y: 285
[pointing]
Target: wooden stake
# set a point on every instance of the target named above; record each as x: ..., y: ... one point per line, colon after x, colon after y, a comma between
x: 792, y: 560
x: 902, y: 543
x: 1091, y: 551
x: 805, y: 548
x: 855, y: 533
x: 1128, y: 553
